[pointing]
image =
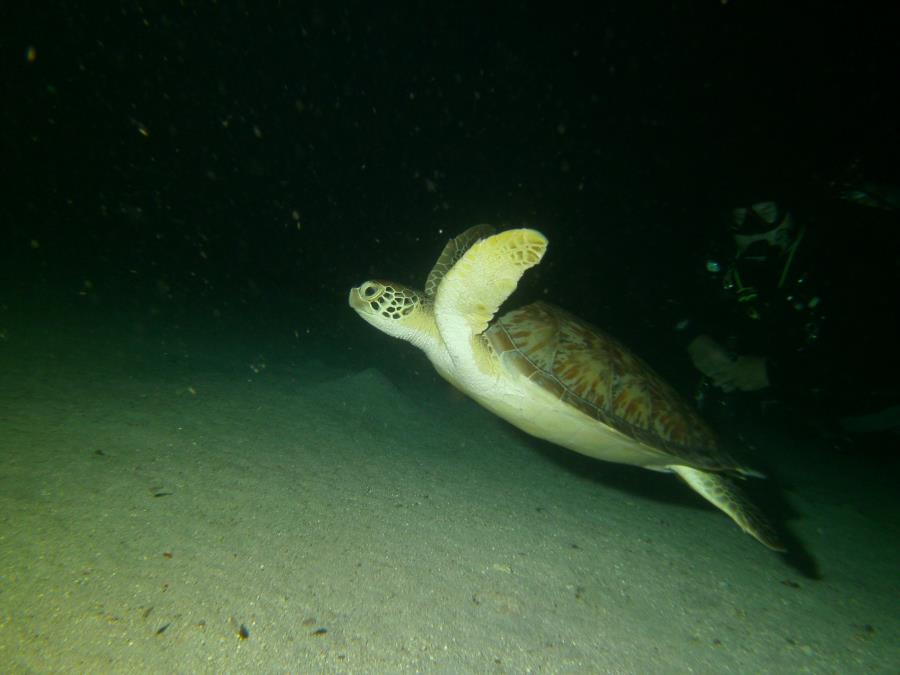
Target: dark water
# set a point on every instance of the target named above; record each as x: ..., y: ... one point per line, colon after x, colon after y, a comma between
x: 224, y: 157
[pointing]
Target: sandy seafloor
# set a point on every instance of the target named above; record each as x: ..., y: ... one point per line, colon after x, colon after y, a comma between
x: 166, y: 481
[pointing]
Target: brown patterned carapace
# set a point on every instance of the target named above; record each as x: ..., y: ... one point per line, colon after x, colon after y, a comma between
x: 596, y: 374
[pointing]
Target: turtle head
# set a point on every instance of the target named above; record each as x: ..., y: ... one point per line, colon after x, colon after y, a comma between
x: 396, y: 310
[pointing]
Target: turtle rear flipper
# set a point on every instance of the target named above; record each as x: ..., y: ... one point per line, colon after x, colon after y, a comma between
x: 721, y: 492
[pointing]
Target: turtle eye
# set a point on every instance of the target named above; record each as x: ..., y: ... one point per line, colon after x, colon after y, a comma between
x: 368, y: 291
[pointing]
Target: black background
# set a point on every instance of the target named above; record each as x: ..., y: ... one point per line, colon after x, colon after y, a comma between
x: 211, y: 153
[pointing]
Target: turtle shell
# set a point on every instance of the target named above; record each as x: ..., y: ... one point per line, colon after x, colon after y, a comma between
x: 595, y: 373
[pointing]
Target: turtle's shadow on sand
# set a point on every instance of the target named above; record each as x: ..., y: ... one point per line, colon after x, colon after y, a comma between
x: 767, y: 495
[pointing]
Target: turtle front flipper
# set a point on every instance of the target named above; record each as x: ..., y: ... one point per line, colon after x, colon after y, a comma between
x: 721, y: 492
x: 453, y: 251
x: 472, y: 291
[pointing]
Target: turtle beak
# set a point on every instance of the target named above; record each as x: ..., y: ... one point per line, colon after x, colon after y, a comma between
x: 358, y: 303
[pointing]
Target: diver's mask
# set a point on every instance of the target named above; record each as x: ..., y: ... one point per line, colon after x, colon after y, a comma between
x: 761, y: 227
x: 760, y: 231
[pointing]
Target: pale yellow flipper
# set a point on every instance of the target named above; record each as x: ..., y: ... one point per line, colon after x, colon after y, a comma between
x: 453, y: 251
x: 474, y: 288
x: 722, y: 493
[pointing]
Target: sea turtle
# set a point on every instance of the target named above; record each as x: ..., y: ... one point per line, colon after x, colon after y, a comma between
x: 548, y: 372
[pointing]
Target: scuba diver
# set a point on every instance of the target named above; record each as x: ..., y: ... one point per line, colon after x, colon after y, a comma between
x: 783, y: 321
